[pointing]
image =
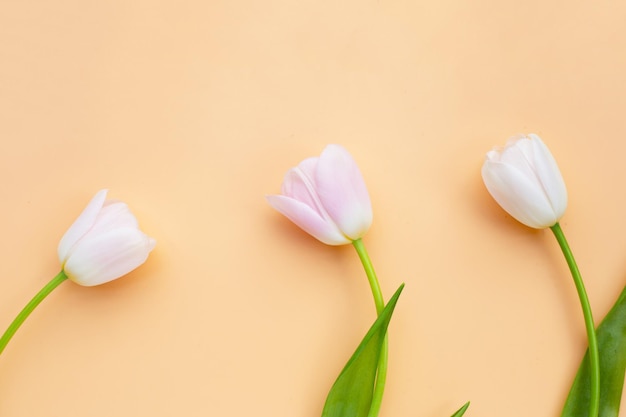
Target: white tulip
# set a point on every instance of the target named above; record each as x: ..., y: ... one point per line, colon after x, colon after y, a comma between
x: 104, y: 243
x: 524, y: 179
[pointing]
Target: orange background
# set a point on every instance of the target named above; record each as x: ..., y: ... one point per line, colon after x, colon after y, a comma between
x: 192, y: 111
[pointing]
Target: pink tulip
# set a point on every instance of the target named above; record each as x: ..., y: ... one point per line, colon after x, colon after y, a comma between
x: 326, y: 197
x: 104, y: 243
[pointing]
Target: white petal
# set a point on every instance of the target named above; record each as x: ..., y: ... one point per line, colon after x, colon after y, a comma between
x: 101, y: 258
x: 518, y: 195
x: 81, y: 225
x: 549, y: 176
x: 113, y: 215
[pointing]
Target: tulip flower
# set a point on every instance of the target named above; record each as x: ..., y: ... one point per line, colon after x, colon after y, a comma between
x: 525, y: 180
x: 326, y: 197
x: 103, y: 244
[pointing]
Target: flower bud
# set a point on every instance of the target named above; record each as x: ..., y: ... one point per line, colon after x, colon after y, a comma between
x: 525, y: 180
x: 104, y: 243
x: 326, y: 197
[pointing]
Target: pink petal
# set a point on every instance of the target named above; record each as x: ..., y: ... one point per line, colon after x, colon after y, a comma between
x: 308, y: 220
x: 342, y: 191
x: 299, y: 184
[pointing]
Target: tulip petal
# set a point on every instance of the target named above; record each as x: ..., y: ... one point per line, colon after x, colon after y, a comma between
x: 519, y: 153
x: 81, y: 225
x: 531, y: 156
x: 299, y: 184
x: 109, y: 255
x: 518, y: 196
x: 549, y: 175
x: 308, y: 220
x: 113, y: 215
x: 308, y: 167
x: 342, y: 191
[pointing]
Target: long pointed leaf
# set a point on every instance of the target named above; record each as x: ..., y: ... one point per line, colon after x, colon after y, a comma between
x: 611, y: 335
x: 461, y: 410
x: 351, y: 394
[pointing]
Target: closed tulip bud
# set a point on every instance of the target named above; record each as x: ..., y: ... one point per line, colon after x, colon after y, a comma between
x: 104, y: 243
x: 326, y: 197
x: 524, y: 179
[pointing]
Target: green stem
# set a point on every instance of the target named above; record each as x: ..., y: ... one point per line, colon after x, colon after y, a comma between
x: 379, y: 301
x: 594, y: 358
x: 38, y: 298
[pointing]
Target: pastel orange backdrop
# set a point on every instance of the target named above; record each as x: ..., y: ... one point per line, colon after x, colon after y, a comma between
x: 192, y: 111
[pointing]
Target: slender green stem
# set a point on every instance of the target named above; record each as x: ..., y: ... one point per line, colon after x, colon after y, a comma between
x: 38, y: 298
x: 594, y: 358
x: 379, y: 301
x: 371, y: 275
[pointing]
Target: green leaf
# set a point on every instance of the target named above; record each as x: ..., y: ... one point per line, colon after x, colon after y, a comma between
x: 351, y: 394
x: 461, y: 410
x: 611, y: 335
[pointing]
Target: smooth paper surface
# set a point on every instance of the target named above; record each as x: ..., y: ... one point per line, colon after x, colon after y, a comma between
x: 192, y: 111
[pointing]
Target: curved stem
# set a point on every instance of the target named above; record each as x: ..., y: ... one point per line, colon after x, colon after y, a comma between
x: 38, y: 298
x: 371, y: 275
x: 594, y: 358
x: 381, y: 375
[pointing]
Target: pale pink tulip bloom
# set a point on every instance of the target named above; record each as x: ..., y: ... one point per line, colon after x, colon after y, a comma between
x: 104, y: 243
x: 524, y: 179
x: 326, y: 197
